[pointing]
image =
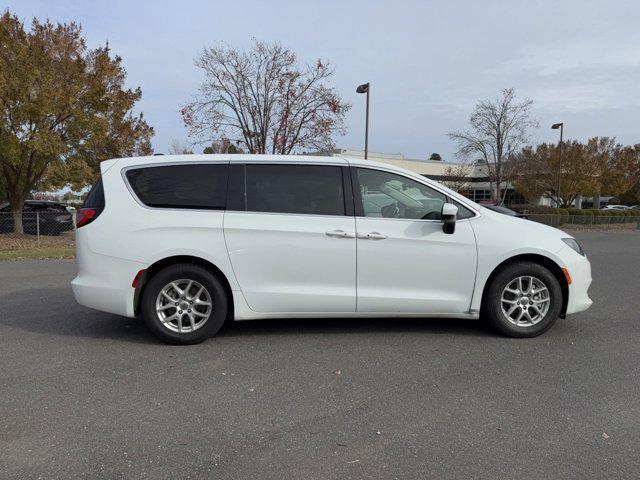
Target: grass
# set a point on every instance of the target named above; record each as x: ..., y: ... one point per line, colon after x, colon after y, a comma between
x: 20, y: 247
x: 42, y: 253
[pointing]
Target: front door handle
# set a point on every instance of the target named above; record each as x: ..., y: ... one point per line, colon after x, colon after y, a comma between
x: 372, y: 236
x: 340, y: 234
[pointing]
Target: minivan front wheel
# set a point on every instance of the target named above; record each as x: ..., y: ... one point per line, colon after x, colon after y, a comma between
x: 523, y: 300
x: 184, y: 304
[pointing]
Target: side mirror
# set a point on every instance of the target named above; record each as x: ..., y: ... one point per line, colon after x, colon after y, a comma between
x: 449, y: 214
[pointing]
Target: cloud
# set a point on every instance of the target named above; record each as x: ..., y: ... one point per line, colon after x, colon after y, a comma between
x: 548, y: 60
x: 578, y: 75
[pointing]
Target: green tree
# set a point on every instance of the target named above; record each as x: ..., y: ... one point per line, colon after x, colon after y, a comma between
x: 629, y: 162
x: 618, y: 167
x: 435, y: 157
x: 64, y: 109
x: 538, y: 168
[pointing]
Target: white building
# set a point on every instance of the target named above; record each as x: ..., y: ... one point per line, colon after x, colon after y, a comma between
x: 476, y: 183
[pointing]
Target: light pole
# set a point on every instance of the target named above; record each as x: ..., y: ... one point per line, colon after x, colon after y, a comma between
x: 364, y: 88
x: 560, y: 126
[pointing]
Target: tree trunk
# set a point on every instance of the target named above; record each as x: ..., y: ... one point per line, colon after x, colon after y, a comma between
x: 498, y: 191
x: 17, y: 204
x: 17, y: 217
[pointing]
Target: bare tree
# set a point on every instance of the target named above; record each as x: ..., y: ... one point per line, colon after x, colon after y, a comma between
x: 264, y: 98
x: 178, y: 148
x: 458, y: 177
x: 498, y: 129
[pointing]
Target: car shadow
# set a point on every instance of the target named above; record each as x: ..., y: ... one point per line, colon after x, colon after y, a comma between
x: 417, y: 325
x: 54, y: 312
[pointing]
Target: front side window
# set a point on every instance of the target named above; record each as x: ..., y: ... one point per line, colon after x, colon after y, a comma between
x: 463, y: 212
x: 388, y: 195
x: 301, y: 189
x: 196, y: 186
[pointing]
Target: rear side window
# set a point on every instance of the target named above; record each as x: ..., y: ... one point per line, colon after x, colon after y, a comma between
x: 301, y: 189
x: 95, y: 197
x: 181, y: 186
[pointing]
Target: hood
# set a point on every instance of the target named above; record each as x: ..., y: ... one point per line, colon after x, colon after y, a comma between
x: 524, y: 226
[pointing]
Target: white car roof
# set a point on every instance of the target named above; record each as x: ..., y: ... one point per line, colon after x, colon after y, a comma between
x: 233, y: 158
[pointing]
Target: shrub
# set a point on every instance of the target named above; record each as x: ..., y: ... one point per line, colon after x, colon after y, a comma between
x: 541, y: 210
x: 587, y: 216
x: 577, y: 216
x: 620, y: 216
x: 563, y: 215
x: 629, y: 214
x: 600, y: 216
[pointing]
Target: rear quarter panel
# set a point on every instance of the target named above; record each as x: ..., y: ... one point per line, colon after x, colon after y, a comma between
x: 134, y: 232
x: 128, y: 237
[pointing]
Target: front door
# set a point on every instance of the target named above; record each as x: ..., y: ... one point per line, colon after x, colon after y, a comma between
x: 292, y: 239
x: 406, y: 263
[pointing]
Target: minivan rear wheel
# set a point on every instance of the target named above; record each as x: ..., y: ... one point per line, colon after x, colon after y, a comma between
x: 523, y: 300
x: 184, y: 304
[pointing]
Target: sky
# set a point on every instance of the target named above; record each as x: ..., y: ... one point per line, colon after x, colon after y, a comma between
x: 429, y: 62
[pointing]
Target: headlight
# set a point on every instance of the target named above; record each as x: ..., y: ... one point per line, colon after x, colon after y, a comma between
x: 574, y: 245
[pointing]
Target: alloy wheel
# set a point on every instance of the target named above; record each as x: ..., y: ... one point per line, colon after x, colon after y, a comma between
x: 184, y: 305
x: 525, y: 301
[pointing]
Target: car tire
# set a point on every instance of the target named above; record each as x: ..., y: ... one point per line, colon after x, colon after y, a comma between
x: 184, y: 304
x: 523, y: 300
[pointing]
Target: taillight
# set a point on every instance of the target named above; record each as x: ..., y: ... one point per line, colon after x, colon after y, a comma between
x: 86, y: 216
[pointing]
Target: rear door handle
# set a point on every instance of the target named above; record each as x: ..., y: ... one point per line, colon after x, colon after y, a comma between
x: 372, y: 236
x: 340, y: 234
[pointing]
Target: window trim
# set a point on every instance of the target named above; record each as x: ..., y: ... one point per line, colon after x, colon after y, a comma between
x: 359, y: 206
x: 237, y: 175
x: 348, y: 192
x: 124, y: 170
x: 351, y: 188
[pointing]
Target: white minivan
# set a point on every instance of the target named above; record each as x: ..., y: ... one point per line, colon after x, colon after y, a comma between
x: 191, y: 241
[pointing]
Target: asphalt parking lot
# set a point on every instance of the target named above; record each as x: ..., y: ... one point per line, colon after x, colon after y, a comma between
x: 92, y: 395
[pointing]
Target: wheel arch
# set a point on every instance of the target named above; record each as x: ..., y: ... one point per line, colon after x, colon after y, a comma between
x: 159, y: 265
x: 546, y: 262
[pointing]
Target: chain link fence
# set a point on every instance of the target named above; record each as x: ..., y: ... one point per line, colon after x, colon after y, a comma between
x: 41, y: 230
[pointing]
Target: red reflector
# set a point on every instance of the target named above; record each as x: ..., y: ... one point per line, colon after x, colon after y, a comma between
x: 137, y: 278
x: 85, y: 216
